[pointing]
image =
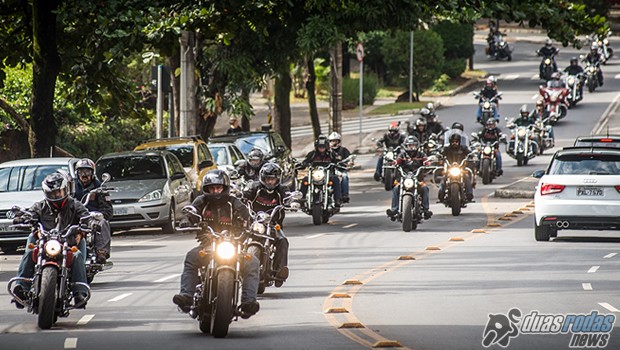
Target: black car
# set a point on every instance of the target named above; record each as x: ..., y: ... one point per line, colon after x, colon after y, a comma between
x: 270, y: 142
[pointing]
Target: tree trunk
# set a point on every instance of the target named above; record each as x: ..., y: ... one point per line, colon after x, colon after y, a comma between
x: 245, y: 120
x: 45, y: 69
x: 336, y: 88
x: 346, y: 61
x: 282, y: 99
x: 174, y: 62
x: 311, y: 88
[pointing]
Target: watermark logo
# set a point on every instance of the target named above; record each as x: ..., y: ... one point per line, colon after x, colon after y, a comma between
x: 586, y: 330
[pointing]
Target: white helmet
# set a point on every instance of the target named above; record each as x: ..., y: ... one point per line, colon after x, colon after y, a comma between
x: 334, y: 136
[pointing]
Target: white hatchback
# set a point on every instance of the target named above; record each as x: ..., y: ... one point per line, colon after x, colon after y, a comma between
x: 580, y: 190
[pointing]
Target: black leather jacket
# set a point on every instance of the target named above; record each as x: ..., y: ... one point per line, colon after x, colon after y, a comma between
x: 263, y: 199
x: 100, y: 203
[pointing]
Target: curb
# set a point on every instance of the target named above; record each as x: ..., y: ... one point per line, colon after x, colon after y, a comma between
x: 523, y: 188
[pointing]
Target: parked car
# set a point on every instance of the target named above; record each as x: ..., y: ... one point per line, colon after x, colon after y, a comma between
x: 580, y: 190
x: 20, y: 184
x: 270, y: 142
x: 152, y: 188
x: 598, y: 141
x: 193, y: 153
x: 226, y: 155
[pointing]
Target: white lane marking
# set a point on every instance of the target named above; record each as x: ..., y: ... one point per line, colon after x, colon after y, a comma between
x: 85, y: 319
x: 350, y: 225
x: 511, y: 77
x: 315, y: 236
x: 609, y: 307
x: 120, y: 297
x: 167, y: 278
x: 586, y: 286
x: 610, y: 255
x: 139, y: 242
x: 617, y: 76
x: 535, y: 77
x: 593, y: 269
x: 71, y: 343
x: 535, y: 97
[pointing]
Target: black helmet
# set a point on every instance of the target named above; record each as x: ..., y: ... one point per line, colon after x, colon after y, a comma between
x: 524, y: 112
x: 255, y: 158
x: 421, y: 121
x: 411, y: 144
x: 216, y: 177
x: 548, y: 43
x: 457, y: 125
x: 321, y: 141
x: 455, y: 137
x: 270, y: 170
x: 425, y: 112
x: 491, y: 123
x: 574, y: 61
x: 56, y: 189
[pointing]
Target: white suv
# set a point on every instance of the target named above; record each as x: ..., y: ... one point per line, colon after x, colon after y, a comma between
x: 20, y: 184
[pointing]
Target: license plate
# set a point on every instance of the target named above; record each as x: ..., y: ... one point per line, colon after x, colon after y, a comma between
x: 4, y: 228
x: 589, y: 191
x: 123, y: 211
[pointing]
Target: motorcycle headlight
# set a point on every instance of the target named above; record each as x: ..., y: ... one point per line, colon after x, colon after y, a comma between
x: 571, y: 81
x: 258, y: 227
x: 547, y: 61
x: 454, y: 171
x: 53, y: 248
x: 521, y: 132
x: 487, y: 104
x: 554, y: 98
x: 605, y: 41
x: 487, y: 150
x: 225, y: 250
x: 408, y: 183
x: 151, y: 196
x: 389, y: 155
x: 591, y: 69
x: 318, y: 175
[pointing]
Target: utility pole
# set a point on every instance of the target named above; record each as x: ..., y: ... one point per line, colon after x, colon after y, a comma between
x: 187, y: 118
x: 335, y: 101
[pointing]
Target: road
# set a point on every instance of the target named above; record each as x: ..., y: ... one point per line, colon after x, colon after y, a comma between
x: 429, y: 289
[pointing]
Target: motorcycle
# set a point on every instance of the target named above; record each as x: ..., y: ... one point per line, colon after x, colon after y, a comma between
x: 541, y: 135
x: 522, y: 147
x: 555, y: 101
x: 92, y: 267
x: 548, y: 66
x: 50, y: 295
x: 263, y: 231
x: 454, y: 183
x: 319, y: 198
x: 389, y: 167
x: 216, y: 300
x: 573, y: 83
x: 487, y: 153
x: 487, y: 107
x: 501, y: 49
x: 604, y: 47
x: 410, y: 199
x: 591, y: 71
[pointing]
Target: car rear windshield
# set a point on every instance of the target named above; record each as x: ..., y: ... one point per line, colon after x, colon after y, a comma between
x: 132, y: 168
x: 185, y: 153
x: 246, y: 143
x: 220, y: 155
x: 598, y: 143
x: 26, y: 178
x: 586, y: 164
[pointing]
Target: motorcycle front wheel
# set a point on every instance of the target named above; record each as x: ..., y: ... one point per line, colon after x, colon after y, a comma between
x: 389, y: 179
x: 317, y: 214
x: 485, y: 170
x: 455, y: 199
x: 408, y: 221
x: 47, y: 297
x: 520, y: 159
x: 223, y: 308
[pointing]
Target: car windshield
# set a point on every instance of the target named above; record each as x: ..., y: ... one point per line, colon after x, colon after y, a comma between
x: 185, y: 153
x: 220, y: 155
x: 31, y: 179
x: 260, y: 141
x: 136, y: 167
x: 586, y: 164
x: 585, y: 143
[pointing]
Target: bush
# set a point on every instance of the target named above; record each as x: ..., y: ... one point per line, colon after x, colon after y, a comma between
x: 351, y: 91
x: 458, y: 39
x: 454, y: 67
x: 440, y: 84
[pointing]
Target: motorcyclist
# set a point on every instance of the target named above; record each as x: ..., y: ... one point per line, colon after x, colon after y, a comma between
x: 595, y: 59
x: 420, y: 131
x: 526, y: 119
x: 393, y: 138
x: 459, y: 129
x: 555, y: 81
x: 249, y: 170
x: 321, y: 156
x: 96, y: 201
x: 489, y: 91
x: 492, y: 37
x: 264, y: 195
x: 221, y: 211
x: 433, y: 124
x: 335, y: 143
x: 577, y: 70
x: 410, y: 159
x: 455, y: 153
x: 548, y: 51
x: 492, y: 133
x: 540, y: 112
x: 58, y: 209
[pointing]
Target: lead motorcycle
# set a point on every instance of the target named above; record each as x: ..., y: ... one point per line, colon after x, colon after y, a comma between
x: 555, y: 101
x: 263, y: 232
x: 454, y: 183
x: 216, y: 300
x: 320, y: 196
x: 410, y: 212
x: 50, y: 295
x: 548, y: 66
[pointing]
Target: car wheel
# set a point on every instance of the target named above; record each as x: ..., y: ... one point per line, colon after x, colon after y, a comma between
x: 169, y: 228
x: 541, y: 233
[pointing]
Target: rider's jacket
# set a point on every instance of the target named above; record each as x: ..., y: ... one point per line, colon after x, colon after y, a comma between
x: 70, y: 213
x: 490, y: 135
x: 593, y: 58
x: 411, y: 161
x: 389, y: 141
x: 263, y: 199
x: 548, y: 51
x: 421, y: 136
x: 100, y: 203
x: 225, y: 213
x: 250, y: 173
x: 573, y: 70
x: 455, y: 155
x: 341, y: 153
x: 488, y: 92
x: 434, y: 127
x: 317, y: 158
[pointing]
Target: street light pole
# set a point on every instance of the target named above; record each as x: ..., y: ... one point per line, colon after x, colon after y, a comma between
x: 411, y: 68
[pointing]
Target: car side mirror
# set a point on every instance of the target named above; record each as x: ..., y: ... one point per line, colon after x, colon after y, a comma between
x: 177, y: 176
x: 279, y: 150
x: 538, y: 174
x: 205, y: 164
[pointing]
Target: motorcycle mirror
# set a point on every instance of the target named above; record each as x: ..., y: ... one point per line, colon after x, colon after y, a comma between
x: 96, y: 215
x: 189, y: 209
x: 105, y: 177
x: 538, y: 174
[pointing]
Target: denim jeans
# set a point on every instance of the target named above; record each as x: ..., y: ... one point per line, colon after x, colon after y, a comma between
x: 344, y: 184
x: 104, y: 238
x: 78, y: 269
x: 193, y: 262
x: 498, y: 160
x: 378, y: 169
x: 396, y: 195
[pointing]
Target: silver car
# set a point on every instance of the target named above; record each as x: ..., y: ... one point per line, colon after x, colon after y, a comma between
x: 225, y: 155
x: 151, y: 187
x: 20, y: 184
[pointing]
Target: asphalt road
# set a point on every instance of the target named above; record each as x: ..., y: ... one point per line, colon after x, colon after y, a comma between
x: 429, y: 289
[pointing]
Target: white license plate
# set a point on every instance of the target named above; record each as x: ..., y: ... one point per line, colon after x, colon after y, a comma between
x: 4, y: 228
x: 589, y: 191
x: 123, y: 211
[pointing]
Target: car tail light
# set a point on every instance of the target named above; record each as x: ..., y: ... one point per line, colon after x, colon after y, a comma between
x: 551, y: 188
x: 605, y: 140
x: 617, y: 188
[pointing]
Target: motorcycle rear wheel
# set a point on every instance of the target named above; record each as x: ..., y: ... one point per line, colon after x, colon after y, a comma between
x: 222, y: 312
x: 47, y: 297
x: 455, y: 199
